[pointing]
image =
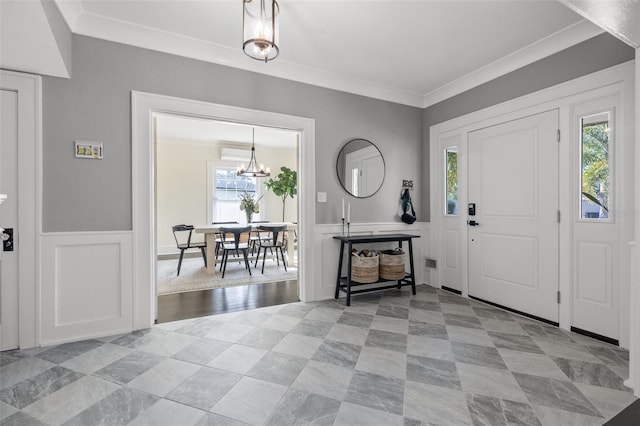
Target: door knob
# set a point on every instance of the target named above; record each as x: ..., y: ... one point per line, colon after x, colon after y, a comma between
x: 473, y: 223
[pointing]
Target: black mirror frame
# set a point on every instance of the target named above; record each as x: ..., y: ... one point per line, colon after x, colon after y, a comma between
x: 341, y: 179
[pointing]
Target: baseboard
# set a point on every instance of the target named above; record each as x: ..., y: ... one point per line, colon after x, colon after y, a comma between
x: 515, y: 311
x: 596, y: 336
x: 452, y: 290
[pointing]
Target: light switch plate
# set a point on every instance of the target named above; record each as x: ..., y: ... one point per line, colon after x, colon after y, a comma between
x: 322, y: 197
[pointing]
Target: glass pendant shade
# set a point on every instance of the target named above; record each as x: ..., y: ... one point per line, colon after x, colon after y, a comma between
x: 260, y: 28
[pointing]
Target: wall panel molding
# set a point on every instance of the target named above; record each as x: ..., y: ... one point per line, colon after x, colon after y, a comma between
x: 86, y: 286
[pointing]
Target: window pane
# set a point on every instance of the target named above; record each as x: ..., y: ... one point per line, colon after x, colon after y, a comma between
x: 226, y: 201
x: 451, y: 179
x: 595, y: 168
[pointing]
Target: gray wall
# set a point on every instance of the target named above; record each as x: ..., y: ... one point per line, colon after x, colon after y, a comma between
x: 587, y: 57
x: 94, y: 105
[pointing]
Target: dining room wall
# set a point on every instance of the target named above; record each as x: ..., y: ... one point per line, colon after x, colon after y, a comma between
x: 182, y: 187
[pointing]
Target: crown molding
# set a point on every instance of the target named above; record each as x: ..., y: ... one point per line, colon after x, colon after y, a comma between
x: 90, y: 25
x: 570, y: 36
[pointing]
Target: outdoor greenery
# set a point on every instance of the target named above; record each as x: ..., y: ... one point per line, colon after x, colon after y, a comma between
x: 452, y: 182
x: 595, y: 165
x: 284, y: 185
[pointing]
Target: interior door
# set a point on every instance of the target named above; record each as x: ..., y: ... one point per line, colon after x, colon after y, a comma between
x: 513, y: 236
x: 9, y: 337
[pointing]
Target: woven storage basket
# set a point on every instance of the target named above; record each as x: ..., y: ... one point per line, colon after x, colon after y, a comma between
x: 391, y: 266
x: 364, y: 269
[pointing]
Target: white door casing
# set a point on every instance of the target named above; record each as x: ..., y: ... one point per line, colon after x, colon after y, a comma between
x: 21, y: 129
x: 596, y: 242
x: 513, y: 180
x: 9, y: 336
x: 617, y: 81
x: 454, y: 260
x: 144, y: 105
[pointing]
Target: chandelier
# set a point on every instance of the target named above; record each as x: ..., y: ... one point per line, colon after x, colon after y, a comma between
x: 260, y: 29
x: 252, y: 169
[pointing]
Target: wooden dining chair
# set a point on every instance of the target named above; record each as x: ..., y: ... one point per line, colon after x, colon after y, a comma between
x: 231, y: 243
x: 275, y: 242
x: 182, y: 234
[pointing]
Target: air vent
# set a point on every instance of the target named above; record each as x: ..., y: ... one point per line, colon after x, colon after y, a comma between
x: 235, y: 154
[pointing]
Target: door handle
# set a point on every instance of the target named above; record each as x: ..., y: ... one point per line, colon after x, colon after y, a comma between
x: 7, y: 239
x: 473, y: 223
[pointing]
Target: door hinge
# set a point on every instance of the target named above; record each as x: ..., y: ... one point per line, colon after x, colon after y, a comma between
x: 558, y: 216
x: 558, y: 297
x: 558, y: 135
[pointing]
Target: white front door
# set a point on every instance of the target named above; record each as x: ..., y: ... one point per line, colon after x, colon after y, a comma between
x: 513, y: 247
x: 9, y: 218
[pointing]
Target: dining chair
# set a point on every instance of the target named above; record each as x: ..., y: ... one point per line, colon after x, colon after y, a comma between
x: 275, y: 241
x: 231, y: 243
x: 219, y: 237
x: 253, y: 240
x: 182, y: 234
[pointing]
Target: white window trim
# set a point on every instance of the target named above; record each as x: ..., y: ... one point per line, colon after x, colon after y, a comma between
x: 212, y: 166
x: 606, y: 105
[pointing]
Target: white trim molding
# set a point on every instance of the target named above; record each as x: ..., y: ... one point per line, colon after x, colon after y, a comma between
x: 634, y: 347
x: 146, y: 37
x: 614, y: 82
x: 29, y: 89
x: 143, y: 107
x: 86, y: 285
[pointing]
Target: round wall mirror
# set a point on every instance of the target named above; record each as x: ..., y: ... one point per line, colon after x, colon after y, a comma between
x: 360, y: 168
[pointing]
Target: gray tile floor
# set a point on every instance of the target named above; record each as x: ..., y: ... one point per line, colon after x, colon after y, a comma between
x: 389, y: 359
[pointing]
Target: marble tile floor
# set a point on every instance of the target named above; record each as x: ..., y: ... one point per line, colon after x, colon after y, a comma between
x: 389, y: 359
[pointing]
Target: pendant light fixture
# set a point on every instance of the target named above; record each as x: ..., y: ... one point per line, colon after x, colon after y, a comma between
x: 252, y: 169
x: 260, y: 29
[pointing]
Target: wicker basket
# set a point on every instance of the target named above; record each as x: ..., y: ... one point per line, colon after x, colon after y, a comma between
x: 392, y: 266
x: 364, y: 269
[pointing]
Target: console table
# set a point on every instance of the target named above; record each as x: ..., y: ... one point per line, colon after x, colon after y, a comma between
x: 344, y: 283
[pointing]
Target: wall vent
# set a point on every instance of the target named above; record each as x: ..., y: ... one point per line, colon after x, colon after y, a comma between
x: 430, y: 263
x: 235, y: 154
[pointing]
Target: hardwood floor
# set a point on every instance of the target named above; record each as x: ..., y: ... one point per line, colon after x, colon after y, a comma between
x: 173, y: 307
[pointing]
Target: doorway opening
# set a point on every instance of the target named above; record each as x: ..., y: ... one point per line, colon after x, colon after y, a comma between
x: 196, y: 184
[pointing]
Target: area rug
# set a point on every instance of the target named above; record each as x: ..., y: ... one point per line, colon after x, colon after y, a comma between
x: 193, y: 275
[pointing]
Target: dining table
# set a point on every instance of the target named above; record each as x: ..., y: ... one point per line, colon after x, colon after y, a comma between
x: 210, y: 232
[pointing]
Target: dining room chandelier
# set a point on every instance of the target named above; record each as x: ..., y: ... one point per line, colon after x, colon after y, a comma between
x: 252, y: 169
x: 261, y: 29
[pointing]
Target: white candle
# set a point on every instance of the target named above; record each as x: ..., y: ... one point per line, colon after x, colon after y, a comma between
x: 343, y: 209
x: 349, y: 213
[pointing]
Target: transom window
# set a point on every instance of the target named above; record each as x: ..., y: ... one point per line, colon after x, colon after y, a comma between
x: 595, y: 168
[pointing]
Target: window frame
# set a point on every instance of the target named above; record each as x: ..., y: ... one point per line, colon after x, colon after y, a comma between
x: 446, y: 151
x: 579, y: 117
x: 212, y: 168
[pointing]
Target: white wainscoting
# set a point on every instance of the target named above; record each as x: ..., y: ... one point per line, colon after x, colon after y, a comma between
x: 86, y: 285
x: 328, y: 249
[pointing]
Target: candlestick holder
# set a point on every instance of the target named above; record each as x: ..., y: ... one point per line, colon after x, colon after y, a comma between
x: 343, y: 226
x: 348, y: 229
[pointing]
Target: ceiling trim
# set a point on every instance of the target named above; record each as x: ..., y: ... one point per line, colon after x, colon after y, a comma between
x: 570, y: 36
x: 91, y: 25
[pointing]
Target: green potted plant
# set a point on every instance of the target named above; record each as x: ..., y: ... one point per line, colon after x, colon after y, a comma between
x: 284, y: 185
x: 249, y: 204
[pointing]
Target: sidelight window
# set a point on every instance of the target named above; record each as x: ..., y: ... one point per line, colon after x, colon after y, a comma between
x: 451, y: 180
x: 595, y: 167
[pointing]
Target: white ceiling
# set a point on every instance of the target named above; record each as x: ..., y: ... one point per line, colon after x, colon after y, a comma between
x: 411, y: 52
x: 179, y: 129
